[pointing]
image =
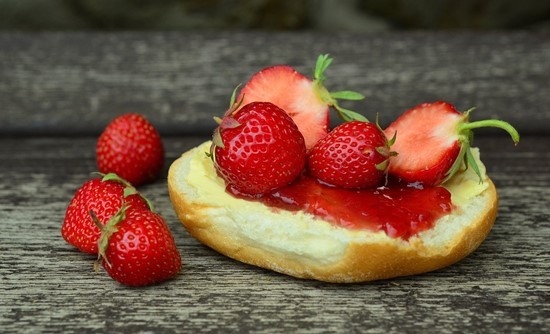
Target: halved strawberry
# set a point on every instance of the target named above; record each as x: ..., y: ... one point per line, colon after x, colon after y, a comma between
x: 433, y: 142
x: 307, y: 101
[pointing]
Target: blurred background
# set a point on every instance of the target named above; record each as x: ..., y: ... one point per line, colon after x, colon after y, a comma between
x: 274, y: 15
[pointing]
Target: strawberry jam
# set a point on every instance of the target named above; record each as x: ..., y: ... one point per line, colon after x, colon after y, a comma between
x: 399, y: 209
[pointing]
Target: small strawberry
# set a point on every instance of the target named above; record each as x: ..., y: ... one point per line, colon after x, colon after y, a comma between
x: 353, y: 155
x: 257, y: 148
x: 137, y: 248
x: 433, y: 142
x: 105, y: 197
x: 306, y: 101
x: 131, y: 147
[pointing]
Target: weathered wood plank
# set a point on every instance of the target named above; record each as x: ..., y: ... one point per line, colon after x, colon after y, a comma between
x: 74, y: 83
x: 48, y: 286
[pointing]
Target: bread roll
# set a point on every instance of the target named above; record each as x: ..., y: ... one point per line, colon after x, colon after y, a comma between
x: 304, y: 246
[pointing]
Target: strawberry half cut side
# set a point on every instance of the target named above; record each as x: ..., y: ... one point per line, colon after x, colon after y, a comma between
x: 433, y: 142
x: 307, y: 101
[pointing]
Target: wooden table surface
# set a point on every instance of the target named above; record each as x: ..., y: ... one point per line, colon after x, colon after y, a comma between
x: 58, y: 90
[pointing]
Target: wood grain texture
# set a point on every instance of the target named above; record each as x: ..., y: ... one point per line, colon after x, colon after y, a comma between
x: 58, y: 90
x: 75, y: 83
x: 48, y: 286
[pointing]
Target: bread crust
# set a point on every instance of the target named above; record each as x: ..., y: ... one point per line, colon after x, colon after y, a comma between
x: 362, y: 261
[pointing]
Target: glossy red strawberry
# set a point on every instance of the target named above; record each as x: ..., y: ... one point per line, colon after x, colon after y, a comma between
x: 137, y: 248
x: 433, y: 142
x: 105, y: 197
x: 353, y: 155
x: 258, y: 148
x: 131, y: 147
x: 306, y: 100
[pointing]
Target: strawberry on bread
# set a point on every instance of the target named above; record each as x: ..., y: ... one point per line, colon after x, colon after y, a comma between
x: 354, y: 155
x: 306, y: 100
x: 433, y: 142
x: 304, y: 245
x: 351, y: 215
x: 257, y: 148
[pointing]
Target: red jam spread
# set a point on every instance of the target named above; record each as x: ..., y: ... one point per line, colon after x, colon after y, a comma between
x: 399, y: 209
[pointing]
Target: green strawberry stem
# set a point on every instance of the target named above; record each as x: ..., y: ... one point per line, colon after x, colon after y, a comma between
x: 107, y: 231
x: 458, y: 163
x: 495, y: 123
x: 465, y: 154
x: 233, y: 104
x: 227, y: 122
x: 331, y: 99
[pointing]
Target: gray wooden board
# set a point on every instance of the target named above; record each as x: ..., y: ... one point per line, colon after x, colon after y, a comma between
x: 58, y: 90
x: 74, y: 83
x: 48, y: 286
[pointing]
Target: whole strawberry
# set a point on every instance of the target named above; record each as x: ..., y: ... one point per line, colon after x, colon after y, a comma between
x: 433, y: 142
x: 137, y: 248
x: 353, y: 155
x: 131, y: 147
x: 105, y: 196
x: 258, y: 148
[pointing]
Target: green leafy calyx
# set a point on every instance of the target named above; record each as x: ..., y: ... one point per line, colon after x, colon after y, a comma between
x: 107, y: 231
x: 129, y: 189
x: 227, y: 122
x: 331, y: 99
x: 465, y: 157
